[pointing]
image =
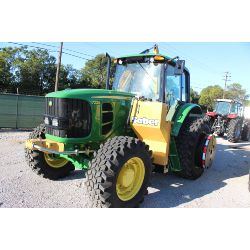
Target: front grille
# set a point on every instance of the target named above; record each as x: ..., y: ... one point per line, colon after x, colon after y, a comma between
x: 73, y: 116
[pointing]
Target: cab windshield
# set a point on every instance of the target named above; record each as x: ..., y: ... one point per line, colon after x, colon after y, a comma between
x: 222, y: 108
x: 141, y: 79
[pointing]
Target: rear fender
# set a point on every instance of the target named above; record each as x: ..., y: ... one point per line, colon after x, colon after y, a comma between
x: 188, y: 109
x: 232, y: 116
x: 211, y: 114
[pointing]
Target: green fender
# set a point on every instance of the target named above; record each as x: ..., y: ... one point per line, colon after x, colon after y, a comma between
x: 182, y: 112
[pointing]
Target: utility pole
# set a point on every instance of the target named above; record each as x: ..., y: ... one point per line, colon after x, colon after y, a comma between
x: 58, y: 66
x: 226, y: 79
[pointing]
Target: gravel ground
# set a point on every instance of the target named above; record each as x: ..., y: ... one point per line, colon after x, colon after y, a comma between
x: 224, y: 185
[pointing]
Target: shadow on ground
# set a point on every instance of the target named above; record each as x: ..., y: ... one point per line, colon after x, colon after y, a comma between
x: 75, y: 175
x: 231, y: 161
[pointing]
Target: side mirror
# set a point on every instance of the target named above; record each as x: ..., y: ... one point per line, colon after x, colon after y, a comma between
x: 179, y: 67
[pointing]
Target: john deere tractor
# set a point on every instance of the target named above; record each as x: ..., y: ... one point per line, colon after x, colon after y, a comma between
x: 121, y: 133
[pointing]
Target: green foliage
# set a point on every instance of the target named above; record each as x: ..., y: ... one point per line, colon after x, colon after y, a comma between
x: 235, y: 91
x: 34, y: 72
x: 194, y: 96
x: 8, y: 58
x: 69, y: 77
x: 31, y: 71
x: 95, y: 70
x: 208, y: 95
x: 246, y: 103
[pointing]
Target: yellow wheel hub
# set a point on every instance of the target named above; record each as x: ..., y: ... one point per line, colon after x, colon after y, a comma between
x: 54, y: 162
x: 130, y: 179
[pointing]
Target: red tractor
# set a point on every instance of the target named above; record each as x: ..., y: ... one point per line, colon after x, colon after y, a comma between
x: 228, y: 118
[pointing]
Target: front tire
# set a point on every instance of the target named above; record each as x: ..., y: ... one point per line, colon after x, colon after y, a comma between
x: 190, y: 143
x: 46, y: 165
x: 119, y: 173
x: 234, y: 130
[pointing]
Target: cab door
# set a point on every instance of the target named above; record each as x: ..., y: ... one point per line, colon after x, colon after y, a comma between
x: 176, y: 86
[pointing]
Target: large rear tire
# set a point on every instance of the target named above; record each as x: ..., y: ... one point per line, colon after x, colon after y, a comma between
x: 234, y: 130
x: 210, y: 121
x: 190, y: 143
x: 221, y: 134
x: 245, y: 134
x: 119, y: 173
x: 46, y: 165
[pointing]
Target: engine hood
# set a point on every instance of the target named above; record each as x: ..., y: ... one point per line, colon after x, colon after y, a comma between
x: 91, y: 94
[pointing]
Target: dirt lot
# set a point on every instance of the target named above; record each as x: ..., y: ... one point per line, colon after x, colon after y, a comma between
x: 224, y: 185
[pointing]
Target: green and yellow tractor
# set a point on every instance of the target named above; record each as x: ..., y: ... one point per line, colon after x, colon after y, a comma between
x: 120, y: 134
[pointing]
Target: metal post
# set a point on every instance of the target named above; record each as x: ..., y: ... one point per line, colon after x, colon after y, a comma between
x: 163, y: 82
x: 17, y: 100
x: 227, y: 75
x: 108, y: 70
x: 58, y: 66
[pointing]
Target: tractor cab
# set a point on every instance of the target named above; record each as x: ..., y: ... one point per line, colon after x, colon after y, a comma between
x: 228, y: 107
x: 152, y: 77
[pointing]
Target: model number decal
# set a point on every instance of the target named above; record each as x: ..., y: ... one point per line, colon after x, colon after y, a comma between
x: 145, y: 121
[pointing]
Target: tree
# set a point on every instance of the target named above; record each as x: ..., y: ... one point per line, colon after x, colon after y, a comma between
x: 194, y: 96
x: 36, y: 71
x: 69, y: 77
x: 209, y: 94
x: 247, y: 103
x: 8, y: 57
x: 235, y: 91
x: 95, y: 71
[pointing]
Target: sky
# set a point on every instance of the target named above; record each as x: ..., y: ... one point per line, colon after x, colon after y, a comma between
x: 207, y: 62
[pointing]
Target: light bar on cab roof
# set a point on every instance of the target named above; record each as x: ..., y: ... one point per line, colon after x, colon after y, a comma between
x: 159, y: 58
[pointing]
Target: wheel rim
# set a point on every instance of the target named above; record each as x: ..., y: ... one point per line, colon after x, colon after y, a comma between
x: 209, y: 151
x: 54, y: 161
x: 130, y: 179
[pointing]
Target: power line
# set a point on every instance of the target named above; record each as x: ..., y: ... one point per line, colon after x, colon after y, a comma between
x: 21, y: 44
x: 201, y: 64
x: 49, y: 45
x: 97, y: 46
x: 76, y: 56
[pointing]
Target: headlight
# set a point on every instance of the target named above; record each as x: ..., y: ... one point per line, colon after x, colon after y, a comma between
x: 55, y: 122
x: 46, y: 120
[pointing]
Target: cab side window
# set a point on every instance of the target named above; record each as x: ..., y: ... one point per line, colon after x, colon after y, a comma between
x: 240, y: 110
x: 172, y: 86
x: 234, y: 108
x: 175, y: 87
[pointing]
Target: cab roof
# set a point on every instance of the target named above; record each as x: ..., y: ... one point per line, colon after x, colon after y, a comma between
x: 149, y: 55
x: 227, y: 100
